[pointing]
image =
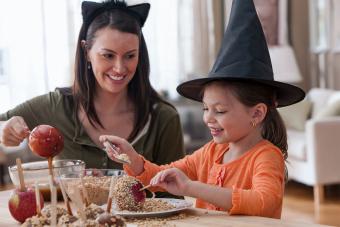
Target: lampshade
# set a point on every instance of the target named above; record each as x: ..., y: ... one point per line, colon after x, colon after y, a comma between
x: 284, y: 64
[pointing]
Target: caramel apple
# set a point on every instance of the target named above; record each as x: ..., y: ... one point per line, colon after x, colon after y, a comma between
x: 128, y: 195
x: 106, y: 219
x: 22, y: 204
x: 46, y: 141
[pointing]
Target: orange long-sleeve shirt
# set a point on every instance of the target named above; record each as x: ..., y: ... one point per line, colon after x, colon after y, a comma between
x: 256, y: 178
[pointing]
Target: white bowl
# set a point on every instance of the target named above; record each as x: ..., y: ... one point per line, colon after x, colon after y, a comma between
x: 39, y: 172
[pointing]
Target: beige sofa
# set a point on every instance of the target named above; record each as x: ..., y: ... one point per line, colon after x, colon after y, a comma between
x: 313, y: 127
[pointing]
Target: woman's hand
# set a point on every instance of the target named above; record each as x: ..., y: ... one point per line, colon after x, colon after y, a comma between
x: 124, y: 147
x: 172, y: 180
x: 14, y: 131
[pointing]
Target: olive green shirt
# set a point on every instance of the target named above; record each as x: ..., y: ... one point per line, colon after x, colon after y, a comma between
x: 160, y: 141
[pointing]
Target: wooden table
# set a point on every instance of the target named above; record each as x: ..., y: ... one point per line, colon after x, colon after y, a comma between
x: 196, y: 218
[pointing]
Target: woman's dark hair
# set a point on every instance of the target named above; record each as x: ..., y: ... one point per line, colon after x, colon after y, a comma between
x: 140, y: 90
x: 273, y: 127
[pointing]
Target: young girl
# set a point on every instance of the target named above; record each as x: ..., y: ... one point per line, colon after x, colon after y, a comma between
x: 242, y: 169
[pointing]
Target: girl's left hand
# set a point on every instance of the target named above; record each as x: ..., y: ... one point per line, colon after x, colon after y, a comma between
x: 173, y: 180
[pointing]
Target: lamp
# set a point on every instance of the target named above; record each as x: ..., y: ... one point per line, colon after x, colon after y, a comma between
x: 284, y: 64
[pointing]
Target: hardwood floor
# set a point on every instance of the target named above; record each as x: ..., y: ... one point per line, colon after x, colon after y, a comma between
x: 298, y: 205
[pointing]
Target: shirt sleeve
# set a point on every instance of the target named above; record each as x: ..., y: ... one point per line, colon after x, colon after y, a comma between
x: 38, y: 110
x: 265, y: 196
x: 188, y: 165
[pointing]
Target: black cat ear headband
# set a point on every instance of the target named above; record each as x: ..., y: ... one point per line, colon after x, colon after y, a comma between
x: 91, y: 10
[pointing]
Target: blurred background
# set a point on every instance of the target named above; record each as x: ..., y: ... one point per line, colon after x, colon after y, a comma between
x: 37, y: 42
x: 37, y: 49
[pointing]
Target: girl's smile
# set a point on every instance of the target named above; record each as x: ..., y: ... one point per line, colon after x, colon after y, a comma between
x: 215, y: 132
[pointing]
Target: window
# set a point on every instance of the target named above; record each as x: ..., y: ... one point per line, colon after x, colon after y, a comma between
x: 3, y: 65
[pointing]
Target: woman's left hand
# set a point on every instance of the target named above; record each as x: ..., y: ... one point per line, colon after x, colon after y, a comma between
x: 173, y: 180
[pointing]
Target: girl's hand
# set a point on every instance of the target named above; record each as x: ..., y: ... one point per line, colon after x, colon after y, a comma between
x: 14, y: 131
x: 124, y: 147
x: 172, y: 180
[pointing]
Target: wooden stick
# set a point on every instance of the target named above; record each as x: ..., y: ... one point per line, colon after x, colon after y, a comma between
x: 86, y: 196
x: 53, y: 202
x: 37, y: 198
x: 50, y: 167
x: 109, y: 199
x: 145, y: 187
x: 78, y: 202
x: 66, y: 201
x: 21, y: 175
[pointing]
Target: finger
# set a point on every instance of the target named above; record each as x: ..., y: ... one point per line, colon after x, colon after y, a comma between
x: 8, y: 132
x: 14, y: 133
x: 163, y: 185
x: 10, y: 141
x: 113, y: 139
x: 163, y: 176
x: 23, y: 124
x: 20, y: 130
x: 112, y: 156
x: 21, y: 121
x: 167, y: 174
x: 155, y: 179
x: 103, y: 138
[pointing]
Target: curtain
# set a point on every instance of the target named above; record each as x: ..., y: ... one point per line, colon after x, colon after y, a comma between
x: 269, y: 11
x: 37, y: 41
x: 182, y: 38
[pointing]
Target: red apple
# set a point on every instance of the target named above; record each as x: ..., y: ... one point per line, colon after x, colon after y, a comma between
x: 22, y: 204
x: 128, y: 195
x: 46, y: 141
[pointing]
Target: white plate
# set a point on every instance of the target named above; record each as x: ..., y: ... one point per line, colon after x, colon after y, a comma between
x: 179, y: 205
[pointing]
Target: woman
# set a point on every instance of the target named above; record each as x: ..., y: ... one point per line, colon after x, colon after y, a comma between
x: 111, y: 94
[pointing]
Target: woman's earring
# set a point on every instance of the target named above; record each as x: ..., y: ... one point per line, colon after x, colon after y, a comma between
x: 253, y: 123
x: 89, y: 66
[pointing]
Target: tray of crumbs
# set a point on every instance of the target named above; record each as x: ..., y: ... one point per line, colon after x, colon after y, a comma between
x: 155, y: 207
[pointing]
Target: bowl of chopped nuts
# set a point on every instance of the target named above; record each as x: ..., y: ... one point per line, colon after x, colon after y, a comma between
x: 91, y: 185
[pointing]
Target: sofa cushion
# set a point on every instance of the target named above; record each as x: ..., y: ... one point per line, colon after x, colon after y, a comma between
x: 335, y: 97
x: 296, y: 145
x: 295, y: 116
x: 319, y: 97
x: 331, y: 110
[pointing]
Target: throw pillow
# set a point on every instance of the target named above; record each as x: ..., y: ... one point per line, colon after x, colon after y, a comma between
x: 296, y: 115
x: 332, y: 109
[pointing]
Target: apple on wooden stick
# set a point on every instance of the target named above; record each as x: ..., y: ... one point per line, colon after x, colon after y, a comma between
x: 22, y: 202
x: 46, y: 141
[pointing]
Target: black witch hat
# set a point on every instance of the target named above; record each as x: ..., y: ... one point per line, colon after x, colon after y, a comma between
x: 243, y: 56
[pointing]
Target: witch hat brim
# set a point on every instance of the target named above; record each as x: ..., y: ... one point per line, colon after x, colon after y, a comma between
x: 243, y: 56
x: 286, y: 94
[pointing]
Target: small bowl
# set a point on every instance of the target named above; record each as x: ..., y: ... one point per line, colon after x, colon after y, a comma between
x: 97, y: 183
x: 39, y: 172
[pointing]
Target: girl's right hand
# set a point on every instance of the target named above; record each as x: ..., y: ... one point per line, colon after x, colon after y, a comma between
x: 172, y: 180
x: 14, y: 131
x: 124, y: 147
